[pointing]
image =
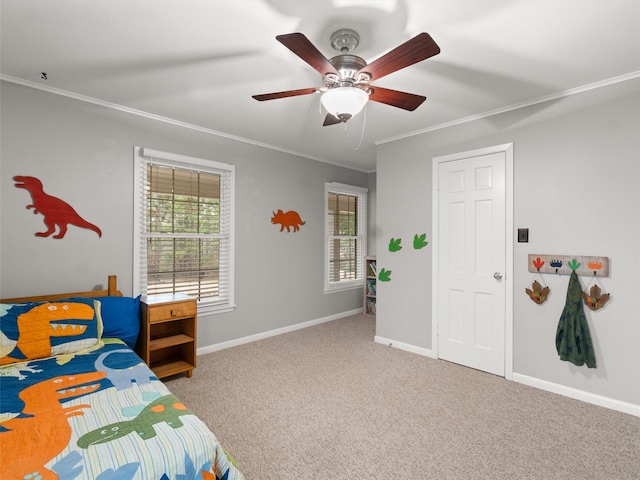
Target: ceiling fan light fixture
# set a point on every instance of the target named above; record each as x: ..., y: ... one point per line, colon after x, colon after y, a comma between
x: 344, y: 102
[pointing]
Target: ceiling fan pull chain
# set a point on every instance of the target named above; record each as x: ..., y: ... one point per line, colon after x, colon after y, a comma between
x: 364, y: 121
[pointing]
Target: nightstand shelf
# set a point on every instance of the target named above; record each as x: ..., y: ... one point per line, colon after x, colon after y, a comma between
x: 166, y: 369
x: 168, y: 334
x: 165, y: 342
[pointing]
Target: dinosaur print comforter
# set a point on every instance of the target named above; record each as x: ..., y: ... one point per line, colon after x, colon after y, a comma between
x: 101, y: 415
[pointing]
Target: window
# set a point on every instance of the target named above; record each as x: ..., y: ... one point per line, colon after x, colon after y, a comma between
x: 346, y: 236
x: 184, y: 229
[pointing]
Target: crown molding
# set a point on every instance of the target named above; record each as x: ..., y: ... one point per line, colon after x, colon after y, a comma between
x: 515, y: 106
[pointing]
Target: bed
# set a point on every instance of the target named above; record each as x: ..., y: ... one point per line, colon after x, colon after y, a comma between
x: 76, y: 402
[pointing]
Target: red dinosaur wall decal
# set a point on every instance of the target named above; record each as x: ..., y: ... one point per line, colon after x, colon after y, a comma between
x: 56, y: 212
x: 287, y: 220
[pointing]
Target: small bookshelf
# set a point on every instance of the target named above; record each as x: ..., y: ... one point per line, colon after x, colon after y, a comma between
x: 369, y: 300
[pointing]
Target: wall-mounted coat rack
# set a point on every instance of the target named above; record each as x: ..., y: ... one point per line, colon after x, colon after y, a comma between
x: 564, y: 264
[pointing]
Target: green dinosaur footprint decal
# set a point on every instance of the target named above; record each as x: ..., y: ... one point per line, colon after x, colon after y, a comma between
x: 385, y: 275
x: 420, y: 241
x: 394, y: 245
x: 574, y: 265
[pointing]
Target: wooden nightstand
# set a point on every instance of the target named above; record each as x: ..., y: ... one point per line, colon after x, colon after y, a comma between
x: 167, y: 341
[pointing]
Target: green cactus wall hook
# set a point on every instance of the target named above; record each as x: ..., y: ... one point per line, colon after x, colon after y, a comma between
x: 574, y: 264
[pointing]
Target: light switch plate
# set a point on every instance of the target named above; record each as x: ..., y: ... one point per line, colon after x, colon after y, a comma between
x: 523, y: 235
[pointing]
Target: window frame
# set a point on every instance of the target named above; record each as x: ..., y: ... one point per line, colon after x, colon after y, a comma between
x: 361, y: 237
x: 142, y: 158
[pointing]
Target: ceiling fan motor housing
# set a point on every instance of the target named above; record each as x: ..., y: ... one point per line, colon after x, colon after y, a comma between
x: 348, y: 67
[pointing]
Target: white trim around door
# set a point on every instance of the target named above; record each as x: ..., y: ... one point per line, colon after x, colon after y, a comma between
x: 507, y: 149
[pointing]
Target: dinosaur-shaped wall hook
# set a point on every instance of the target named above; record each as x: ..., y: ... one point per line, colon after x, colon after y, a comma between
x: 538, y: 263
x: 557, y: 264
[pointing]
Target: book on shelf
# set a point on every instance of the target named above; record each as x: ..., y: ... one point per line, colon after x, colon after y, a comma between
x: 371, y: 286
x: 371, y: 306
x: 371, y: 269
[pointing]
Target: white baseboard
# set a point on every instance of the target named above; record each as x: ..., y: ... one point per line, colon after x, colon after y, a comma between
x: 272, y: 333
x: 592, y: 398
x: 425, y: 352
x: 624, y: 407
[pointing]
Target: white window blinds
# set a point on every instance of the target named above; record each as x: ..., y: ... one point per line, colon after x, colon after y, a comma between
x: 184, y: 227
x: 346, y: 228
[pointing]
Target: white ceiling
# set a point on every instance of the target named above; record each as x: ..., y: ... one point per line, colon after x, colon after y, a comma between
x: 199, y: 61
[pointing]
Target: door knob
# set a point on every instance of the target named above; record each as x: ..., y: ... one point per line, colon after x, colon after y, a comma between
x: 497, y: 276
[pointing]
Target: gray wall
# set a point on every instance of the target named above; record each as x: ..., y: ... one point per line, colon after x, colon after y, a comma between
x: 576, y: 173
x: 372, y: 225
x: 83, y: 153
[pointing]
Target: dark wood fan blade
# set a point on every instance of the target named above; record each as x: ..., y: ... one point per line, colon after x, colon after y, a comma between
x: 301, y: 46
x: 288, y: 93
x: 413, y: 51
x: 331, y: 120
x: 404, y: 100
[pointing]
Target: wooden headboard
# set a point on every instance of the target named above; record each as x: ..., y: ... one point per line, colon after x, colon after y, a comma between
x: 111, y: 291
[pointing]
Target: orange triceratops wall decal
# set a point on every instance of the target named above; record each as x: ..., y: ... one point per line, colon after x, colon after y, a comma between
x: 287, y: 220
x: 57, y: 212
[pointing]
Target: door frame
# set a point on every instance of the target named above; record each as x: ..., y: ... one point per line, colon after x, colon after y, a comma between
x: 507, y: 149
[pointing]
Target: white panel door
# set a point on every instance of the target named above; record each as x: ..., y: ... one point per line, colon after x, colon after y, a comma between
x: 471, y: 262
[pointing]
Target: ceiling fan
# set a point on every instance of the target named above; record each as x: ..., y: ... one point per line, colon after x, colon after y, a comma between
x: 346, y: 80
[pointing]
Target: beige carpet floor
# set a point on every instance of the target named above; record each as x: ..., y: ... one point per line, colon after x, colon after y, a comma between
x: 327, y: 402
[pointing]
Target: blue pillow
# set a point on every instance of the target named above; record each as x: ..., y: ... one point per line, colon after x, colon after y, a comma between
x: 121, y: 318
